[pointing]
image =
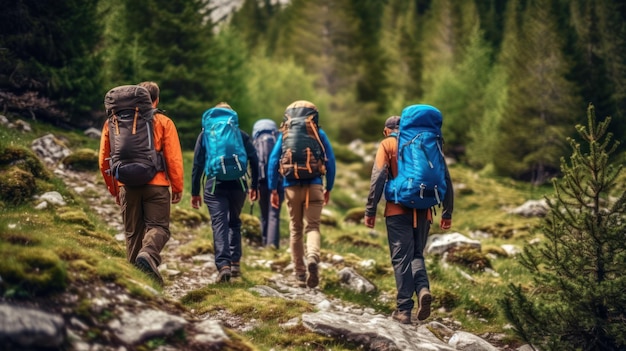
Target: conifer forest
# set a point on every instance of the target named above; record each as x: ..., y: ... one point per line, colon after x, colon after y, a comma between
x: 511, y: 77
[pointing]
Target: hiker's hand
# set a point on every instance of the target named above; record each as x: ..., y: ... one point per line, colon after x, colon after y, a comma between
x: 326, y: 197
x: 196, y: 202
x: 275, y: 199
x: 176, y: 197
x: 253, y: 195
x: 445, y: 223
x: 370, y: 221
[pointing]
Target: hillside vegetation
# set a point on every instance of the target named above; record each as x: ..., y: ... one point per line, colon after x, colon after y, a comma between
x: 50, y: 251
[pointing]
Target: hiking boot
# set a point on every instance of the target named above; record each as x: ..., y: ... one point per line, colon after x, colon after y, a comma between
x: 313, y: 278
x: 224, y: 275
x: 425, y: 298
x: 301, y: 280
x: 403, y: 317
x: 235, y: 270
x: 145, y: 264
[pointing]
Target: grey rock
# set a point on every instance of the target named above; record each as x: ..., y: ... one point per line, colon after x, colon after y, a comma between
x: 30, y: 328
x: 134, y: 328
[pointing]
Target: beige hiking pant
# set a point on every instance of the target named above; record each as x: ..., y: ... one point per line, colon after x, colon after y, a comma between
x: 305, y: 204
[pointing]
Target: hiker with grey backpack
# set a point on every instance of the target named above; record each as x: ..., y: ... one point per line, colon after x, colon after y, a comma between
x: 141, y: 162
x: 264, y: 134
x: 222, y: 155
x: 411, y: 171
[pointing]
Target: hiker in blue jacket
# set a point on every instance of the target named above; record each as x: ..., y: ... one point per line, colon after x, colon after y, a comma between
x: 225, y: 200
x: 305, y: 198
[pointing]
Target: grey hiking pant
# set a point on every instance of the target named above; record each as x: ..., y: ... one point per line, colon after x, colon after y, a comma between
x: 146, y: 214
x: 406, y: 246
x: 225, y: 204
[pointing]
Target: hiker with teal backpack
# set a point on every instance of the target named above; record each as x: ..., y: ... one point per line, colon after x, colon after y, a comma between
x: 411, y: 171
x: 303, y: 157
x: 264, y: 134
x: 222, y: 155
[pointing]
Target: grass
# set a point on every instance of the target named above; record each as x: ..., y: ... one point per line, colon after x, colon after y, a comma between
x: 46, y: 251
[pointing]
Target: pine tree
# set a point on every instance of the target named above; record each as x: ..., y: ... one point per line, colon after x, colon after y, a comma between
x: 48, y: 69
x: 541, y: 98
x: 577, y: 301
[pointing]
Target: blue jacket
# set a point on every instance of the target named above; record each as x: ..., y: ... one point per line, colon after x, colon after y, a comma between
x: 273, y: 175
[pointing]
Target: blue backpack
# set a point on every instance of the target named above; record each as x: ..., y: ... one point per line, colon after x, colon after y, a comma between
x: 226, y: 157
x: 421, y: 179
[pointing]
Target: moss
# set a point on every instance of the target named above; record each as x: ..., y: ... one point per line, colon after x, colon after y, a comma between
x: 32, y: 272
x: 328, y: 220
x: 495, y: 250
x: 357, y: 240
x: 82, y: 160
x: 189, y: 218
x: 23, y: 158
x: 16, y: 185
x: 196, y: 247
x: 76, y: 217
x: 471, y: 258
x: 448, y: 299
x: 354, y: 215
x: 251, y: 228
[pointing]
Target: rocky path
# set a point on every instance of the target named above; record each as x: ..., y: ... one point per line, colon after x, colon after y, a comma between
x: 335, y: 317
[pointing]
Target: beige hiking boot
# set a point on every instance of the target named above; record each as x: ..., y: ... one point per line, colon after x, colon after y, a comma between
x: 425, y: 299
x: 403, y: 317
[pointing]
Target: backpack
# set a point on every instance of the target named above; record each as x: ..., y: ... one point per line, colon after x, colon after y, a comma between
x: 421, y: 179
x: 133, y: 160
x: 226, y: 157
x: 303, y: 155
x: 264, y: 137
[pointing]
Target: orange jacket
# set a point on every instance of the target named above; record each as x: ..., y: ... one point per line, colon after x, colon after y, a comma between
x: 166, y: 140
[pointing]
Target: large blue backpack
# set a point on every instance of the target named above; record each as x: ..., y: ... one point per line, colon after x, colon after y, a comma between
x: 226, y: 157
x: 264, y: 134
x: 421, y: 179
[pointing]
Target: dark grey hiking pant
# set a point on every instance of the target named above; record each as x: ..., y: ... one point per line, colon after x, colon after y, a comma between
x: 146, y: 214
x: 225, y: 205
x: 406, y: 246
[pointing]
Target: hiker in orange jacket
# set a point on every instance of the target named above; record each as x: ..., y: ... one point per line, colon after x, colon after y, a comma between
x: 146, y: 209
x: 406, y: 240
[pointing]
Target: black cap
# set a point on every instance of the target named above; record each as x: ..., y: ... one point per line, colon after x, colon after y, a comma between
x: 392, y: 122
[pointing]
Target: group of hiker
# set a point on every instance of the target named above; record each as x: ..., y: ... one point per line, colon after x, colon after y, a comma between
x: 141, y: 161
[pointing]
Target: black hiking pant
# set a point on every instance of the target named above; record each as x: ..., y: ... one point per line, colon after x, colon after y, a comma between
x: 406, y: 247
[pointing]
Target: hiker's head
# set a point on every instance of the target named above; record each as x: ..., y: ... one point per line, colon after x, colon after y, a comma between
x: 391, y: 125
x: 224, y: 105
x: 153, y: 88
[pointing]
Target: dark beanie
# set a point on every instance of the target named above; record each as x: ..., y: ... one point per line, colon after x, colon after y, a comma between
x: 392, y: 122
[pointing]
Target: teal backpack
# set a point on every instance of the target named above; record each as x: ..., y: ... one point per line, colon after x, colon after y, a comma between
x: 421, y: 180
x: 226, y: 157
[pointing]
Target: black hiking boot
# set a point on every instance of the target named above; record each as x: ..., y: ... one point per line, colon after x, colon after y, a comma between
x: 144, y: 263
